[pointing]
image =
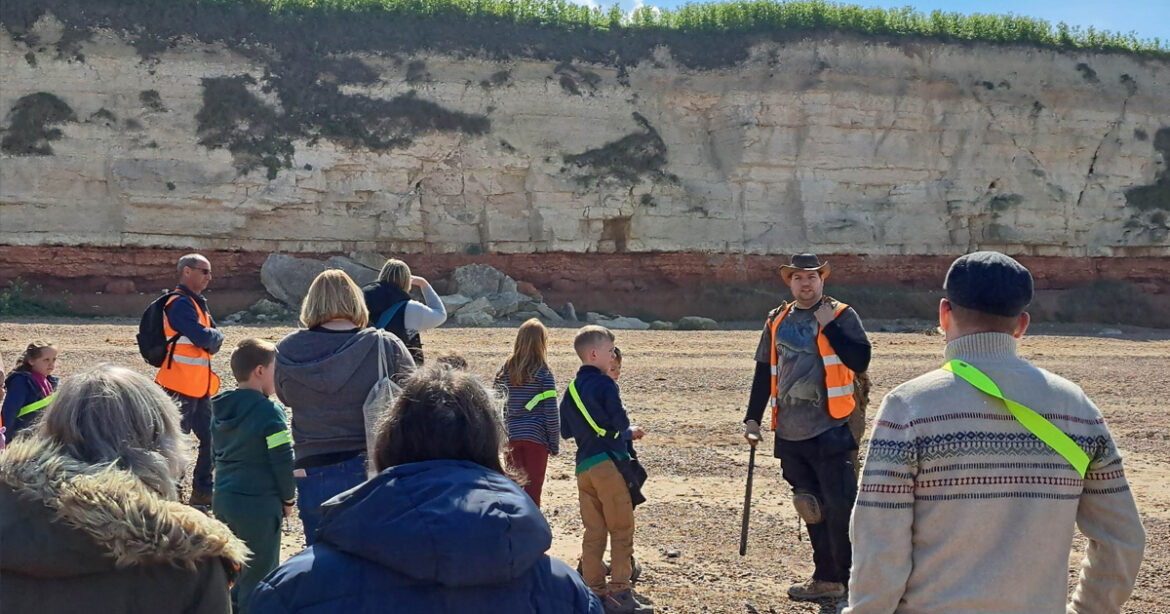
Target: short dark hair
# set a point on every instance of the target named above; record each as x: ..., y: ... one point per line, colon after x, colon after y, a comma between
x: 251, y: 353
x: 617, y: 354
x: 441, y: 414
x: 589, y: 335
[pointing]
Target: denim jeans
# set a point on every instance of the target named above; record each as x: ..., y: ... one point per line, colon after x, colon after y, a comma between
x: 321, y: 484
x: 196, y: 418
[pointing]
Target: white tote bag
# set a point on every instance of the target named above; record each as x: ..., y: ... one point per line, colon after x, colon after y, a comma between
x: 377, y: 405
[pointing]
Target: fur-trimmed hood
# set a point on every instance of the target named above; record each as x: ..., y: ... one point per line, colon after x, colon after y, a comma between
x: 60, y: 517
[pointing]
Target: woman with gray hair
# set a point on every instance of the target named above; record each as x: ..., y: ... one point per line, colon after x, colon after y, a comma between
x: 89, y: 515
x: 392, y: 309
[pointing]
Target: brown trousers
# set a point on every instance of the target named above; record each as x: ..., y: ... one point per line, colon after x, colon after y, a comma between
x: 607, y: 512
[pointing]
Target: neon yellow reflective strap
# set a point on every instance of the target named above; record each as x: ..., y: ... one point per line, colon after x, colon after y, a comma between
x: 279, y: 439
x: 35, y: 406
x: 1034, y: 422
x: 584, y: 412
x: 547, y: 394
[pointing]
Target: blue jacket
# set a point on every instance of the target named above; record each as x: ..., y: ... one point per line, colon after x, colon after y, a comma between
x: 600, y: 395
x: 433, y: 537
x: 20, y: 391
x: 184, y: 319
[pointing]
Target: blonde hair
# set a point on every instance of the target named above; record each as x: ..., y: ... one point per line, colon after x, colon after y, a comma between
x: 528, y: 353
x: 333, y: 295
x: 588, y: 336
x: 396, y: 272
x: 113, y: 416
x: 33, y: 352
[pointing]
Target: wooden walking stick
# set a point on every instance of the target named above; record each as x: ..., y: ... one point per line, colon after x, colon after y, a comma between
x: 747, y: 497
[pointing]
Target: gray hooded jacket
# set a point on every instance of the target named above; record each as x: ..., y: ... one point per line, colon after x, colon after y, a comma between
x: 324, y: 378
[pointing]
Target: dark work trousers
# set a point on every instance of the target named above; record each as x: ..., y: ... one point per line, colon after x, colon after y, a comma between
x: 823, y: 467
x: 197, y: 419
x: 256, y: 520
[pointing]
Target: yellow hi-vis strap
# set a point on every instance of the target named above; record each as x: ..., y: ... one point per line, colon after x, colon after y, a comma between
x: 278, y: 439
x: 547, y: 394
x: 1034, y: 422
x: 584, y: 412
x: 35, y: 406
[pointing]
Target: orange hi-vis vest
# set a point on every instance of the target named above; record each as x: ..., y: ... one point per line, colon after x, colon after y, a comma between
x: 187, y: 369
x: 838, y: 377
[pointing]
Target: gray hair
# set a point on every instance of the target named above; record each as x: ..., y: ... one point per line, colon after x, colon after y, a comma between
x: 112, y: 415
x: 190, y: 260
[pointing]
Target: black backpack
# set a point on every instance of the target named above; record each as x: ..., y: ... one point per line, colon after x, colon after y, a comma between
x: 152, y: 340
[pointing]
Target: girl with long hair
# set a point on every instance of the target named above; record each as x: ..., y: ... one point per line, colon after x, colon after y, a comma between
x: 534, y: 422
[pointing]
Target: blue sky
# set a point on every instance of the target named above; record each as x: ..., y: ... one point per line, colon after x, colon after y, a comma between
x: 1148, y: 18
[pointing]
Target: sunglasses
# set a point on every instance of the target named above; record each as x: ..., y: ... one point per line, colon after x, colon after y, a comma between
x: 204, y: 271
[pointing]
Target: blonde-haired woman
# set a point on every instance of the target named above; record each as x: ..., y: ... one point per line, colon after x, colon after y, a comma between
x: 323, y: 374
x: 534, y: 422
x: 89, y: 516
x: 391, y: 308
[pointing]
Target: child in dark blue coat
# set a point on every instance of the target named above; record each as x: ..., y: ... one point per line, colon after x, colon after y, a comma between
x: 440, y: 530
x: 29, y: 388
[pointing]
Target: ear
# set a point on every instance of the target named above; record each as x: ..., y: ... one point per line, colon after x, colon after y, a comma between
x: 1022, y: 325
x: 944, y: 314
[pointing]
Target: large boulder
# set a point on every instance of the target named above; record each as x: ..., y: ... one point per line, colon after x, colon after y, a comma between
x: 477, y: 318
x: 454, y: 302
x: 505, y: 303
x: 288, y: 278
x: 479, y: 305
x: 623, y: 323
x: 547, y: 313
x: 476, y: 280
x: 372, y: 260
x: 662, y: 325
x: 360, y: 273
x: 482, y: 281
x: 697, y: 323
x: 569, y: 312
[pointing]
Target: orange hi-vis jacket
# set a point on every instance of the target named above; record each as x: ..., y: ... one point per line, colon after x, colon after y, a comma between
x: 187, y: 369
x: 838, y: 377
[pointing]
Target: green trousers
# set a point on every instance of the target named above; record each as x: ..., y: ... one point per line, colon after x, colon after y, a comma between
x: 256, y: 520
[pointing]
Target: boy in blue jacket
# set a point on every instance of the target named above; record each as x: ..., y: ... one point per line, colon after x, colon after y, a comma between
x: 592, y: 414
x: 252, y: 447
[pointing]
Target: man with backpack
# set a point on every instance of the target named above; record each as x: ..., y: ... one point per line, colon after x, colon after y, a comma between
x: 178, y: 335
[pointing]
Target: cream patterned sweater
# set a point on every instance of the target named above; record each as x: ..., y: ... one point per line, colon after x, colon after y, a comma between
x: 961, y: 509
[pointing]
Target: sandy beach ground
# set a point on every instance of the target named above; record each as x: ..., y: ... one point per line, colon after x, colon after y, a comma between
x: 688, y: 390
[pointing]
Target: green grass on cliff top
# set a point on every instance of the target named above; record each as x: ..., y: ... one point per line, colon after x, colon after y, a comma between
x: 755, y: 16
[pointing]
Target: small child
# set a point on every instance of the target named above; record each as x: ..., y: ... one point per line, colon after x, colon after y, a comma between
x: 592, y: 414
x: 534, y: 424
x: 29, y: 388
x: 252, y: 448
x: 615, y: 368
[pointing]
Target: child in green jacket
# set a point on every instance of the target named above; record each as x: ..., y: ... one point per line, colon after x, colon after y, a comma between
x: 252, y: 448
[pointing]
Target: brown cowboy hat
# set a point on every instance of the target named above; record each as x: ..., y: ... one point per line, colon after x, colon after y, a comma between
x: 804, y: 262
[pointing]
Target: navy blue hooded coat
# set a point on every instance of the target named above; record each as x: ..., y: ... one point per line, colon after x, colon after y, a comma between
x: 434, y: 537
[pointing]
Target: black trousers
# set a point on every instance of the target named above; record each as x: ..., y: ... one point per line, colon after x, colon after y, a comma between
x: 823, y: 466
x: 197, y: 419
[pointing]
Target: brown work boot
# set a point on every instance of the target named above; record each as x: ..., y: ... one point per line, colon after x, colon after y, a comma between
x: 199, y: 498
x: 815, y: 590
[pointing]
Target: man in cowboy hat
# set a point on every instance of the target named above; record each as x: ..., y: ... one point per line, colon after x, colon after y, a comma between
x: 806, y: 364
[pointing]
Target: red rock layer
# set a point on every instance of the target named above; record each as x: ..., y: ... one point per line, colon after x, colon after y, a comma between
x: 665, y: 285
